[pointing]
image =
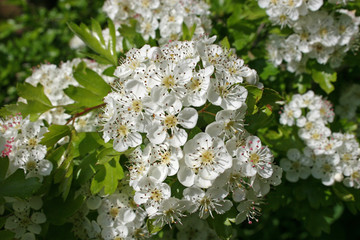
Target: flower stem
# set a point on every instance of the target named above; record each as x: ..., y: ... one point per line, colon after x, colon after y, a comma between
x: 86, y: 110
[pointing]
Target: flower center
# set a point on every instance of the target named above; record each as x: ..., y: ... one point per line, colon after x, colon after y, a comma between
x: 32, y: 142
x: 346, y: 157
x: 134, y: 64
x: 308, y: 125
x: 123, y: 130
x: 165, y: 158
x: 328, y: 147
x: 156, y: 195
x: 114, y: 212
x: 170, y: 121
x: 195, y: 84
x: 30, y: 165
x: 326, y: 167
x: 223, y: 91
x: 207, y: 157
x: 355, y: 175
x: 136, y: 105
x: 205, y: 202
x: 296, y: 165
x: 254, y: 158
x: 229, y: 125
x: 168, y: 81
x: 323, y: 32
x: 315, y: 136
x: 82, y: 122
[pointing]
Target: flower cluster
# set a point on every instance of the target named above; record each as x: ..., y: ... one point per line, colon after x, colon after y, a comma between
x: 318, y: 35
x: 288, y: 12
x: 167, y: 17
x: 329, y: 156
x: 25, y: 218
x: 55, y: 79
x: 20, y: 142
x: 154, y: 108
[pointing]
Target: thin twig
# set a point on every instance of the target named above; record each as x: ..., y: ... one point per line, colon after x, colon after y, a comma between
x: 84, y: 112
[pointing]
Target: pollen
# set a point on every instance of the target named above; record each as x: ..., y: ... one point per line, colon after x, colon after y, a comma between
x: 156, y: 195
x: 165, y: 157
x: 254, y: 158
x: 168, y: 81
x: 207, y: 157
x: 114, y: 212
x: 170, y: 121
x: 31, y: 165
x: 32, y: 142
x: 136, y: 105
x: 123, y: 130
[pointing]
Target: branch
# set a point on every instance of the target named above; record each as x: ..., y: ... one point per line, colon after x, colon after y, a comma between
x: 84, y: 112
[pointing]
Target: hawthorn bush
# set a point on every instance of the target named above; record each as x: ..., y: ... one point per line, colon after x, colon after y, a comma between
x: 184, y: 120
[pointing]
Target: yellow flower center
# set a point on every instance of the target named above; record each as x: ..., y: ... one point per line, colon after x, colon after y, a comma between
x: 156, y: 195
x: 30, y: 165
x: 123, y: 130
x: 170, y: 121
x: 32, y: 142
x: 195, y: 84
x: 136, y: 105
x: 254, y: 158
x: 326, y: 167
x: 114, y: 212
x: 207, y: 157
x: 165, y: 157
x: 168, y: 81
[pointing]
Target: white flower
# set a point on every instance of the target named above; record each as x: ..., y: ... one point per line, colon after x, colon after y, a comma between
x: 166, y: 123
x: 326, y: 168
x: 294, y: 167
x: 114, y: 212
x: 124, y: 133
x: 170, y: 211
x: 197, y: 87
x: 257, y: 159
x: 206, y: 202
x: 223, y: 93
x: 205, y: 158
x: 151, y: 194
x: 227, y: 123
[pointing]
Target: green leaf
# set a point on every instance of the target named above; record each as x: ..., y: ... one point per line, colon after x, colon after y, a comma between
x: 33, y: 108
x: 324, y: 77
x: 96, y: 28
x: 254, y: 95
x: 83, y: 97
x: 268, y: 71
x: 151, y: 227
x: 106, y: 155
x: 6, y: 235
x: 225, y: 43
x: 112, y: 32
x: 221, y: 224
x: 16, y: 185
x: 56, y: 132
x: 30, y: 92
x: 86, y: 169
x: 94, y: 43
x: 92, y: 81
x: 4, y: 165
x: 89, y: 143
x: 343, y: 193
x: 107, y: 177
x: 59, y: 211
x: 109, y: 71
